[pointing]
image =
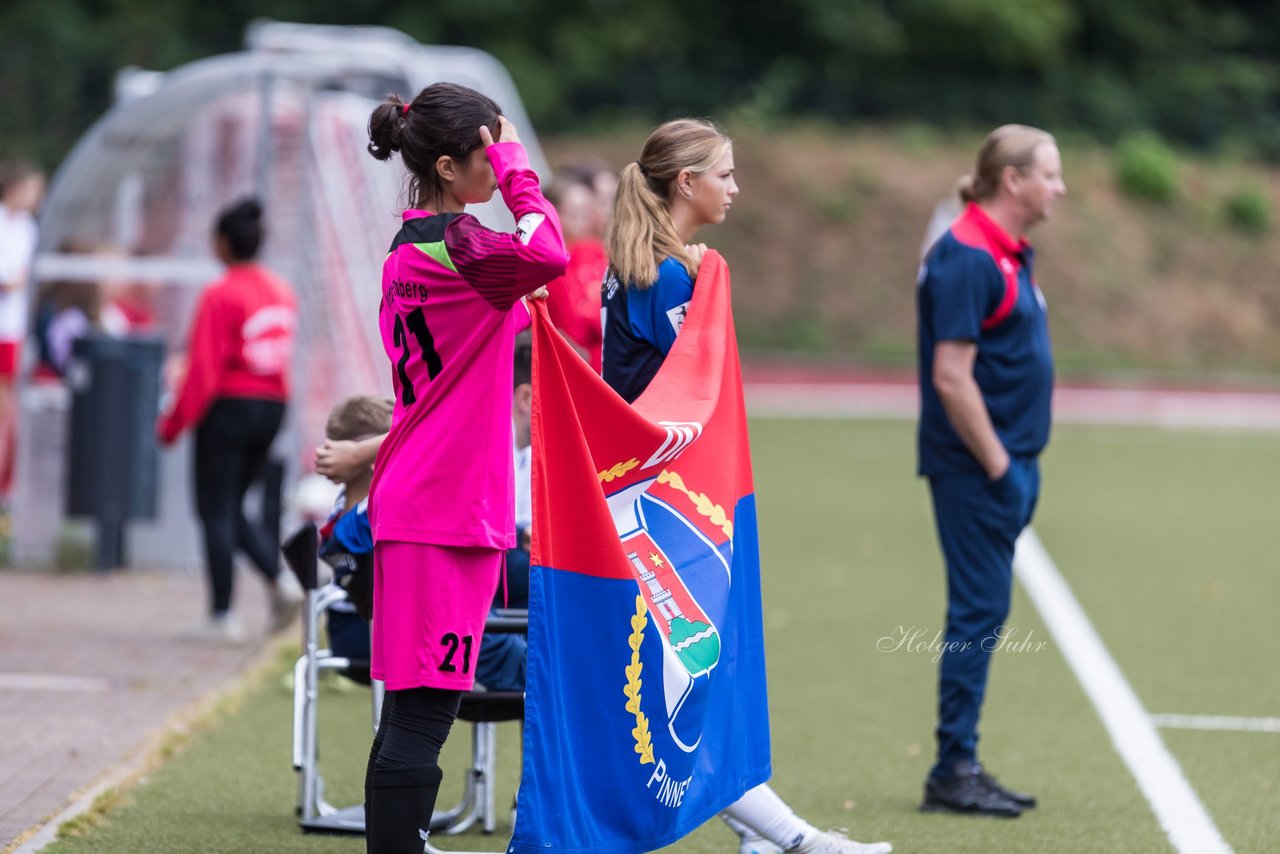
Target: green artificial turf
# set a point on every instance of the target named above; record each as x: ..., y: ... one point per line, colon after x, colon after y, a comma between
x: 1169, y: 541
x: 1161, y: 536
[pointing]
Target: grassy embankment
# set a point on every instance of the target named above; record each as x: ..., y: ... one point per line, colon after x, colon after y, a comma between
x: 824, y: 244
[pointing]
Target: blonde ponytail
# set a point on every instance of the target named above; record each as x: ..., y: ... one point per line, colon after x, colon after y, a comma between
x: 1007, y: 145
x: 641, y: 233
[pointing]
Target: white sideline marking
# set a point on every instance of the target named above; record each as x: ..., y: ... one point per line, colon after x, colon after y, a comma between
x: 1183, y: 817
x: 51, y: 682
x: 1216, y: 722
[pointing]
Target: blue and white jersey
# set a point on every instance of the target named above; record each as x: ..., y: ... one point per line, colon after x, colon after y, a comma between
x: 346, y: 539
x: 640, y: 325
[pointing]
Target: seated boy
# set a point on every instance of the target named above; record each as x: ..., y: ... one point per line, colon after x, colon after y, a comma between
x: 346, y: 541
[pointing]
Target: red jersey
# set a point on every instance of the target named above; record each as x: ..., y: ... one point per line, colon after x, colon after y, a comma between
x: 241, y: 345
x: 573, y: 300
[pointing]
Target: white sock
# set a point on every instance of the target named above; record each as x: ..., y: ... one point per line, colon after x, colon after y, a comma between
x: 762, y: 811
x: 744, y: 833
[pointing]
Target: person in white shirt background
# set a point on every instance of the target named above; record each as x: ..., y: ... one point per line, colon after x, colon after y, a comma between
x: 21, y: 190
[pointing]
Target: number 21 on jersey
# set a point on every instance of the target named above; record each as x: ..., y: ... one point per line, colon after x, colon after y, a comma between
x: 412, y: 328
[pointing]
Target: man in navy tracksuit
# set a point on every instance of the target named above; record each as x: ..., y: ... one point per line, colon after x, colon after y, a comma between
x: 986, y: 378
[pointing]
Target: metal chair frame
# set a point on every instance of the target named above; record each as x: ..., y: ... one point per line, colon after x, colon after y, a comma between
x: 315, y: 813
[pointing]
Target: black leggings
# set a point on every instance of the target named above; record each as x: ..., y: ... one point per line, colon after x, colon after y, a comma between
x: 414, y: 725
x: 403, y: 777
x: 231, y: 449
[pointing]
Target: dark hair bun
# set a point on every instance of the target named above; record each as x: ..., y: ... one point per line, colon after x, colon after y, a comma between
x: 386, y: 125
x: 241, y: 225
x: 443, y: 120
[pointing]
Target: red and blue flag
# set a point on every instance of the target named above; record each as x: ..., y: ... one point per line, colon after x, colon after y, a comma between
x: 645, y: 706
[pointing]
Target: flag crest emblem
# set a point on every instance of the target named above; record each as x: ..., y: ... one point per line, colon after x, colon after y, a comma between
x: 646, y: 710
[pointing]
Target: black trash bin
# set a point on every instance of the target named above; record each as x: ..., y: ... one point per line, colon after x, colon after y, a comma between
x: 112, y: 469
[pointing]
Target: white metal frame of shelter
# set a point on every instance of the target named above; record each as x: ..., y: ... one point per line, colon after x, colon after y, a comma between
x: 133, y: 206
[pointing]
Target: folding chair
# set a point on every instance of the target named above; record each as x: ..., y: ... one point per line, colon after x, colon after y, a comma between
x: 482, y: 709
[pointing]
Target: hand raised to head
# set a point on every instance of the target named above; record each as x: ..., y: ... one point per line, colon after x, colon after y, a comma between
x: 506, y: 133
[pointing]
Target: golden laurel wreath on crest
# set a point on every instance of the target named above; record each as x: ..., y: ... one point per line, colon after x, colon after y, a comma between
x: 701, y: 501
x: 644, y: 744
x: 715, y: 513
x: 618, y: 470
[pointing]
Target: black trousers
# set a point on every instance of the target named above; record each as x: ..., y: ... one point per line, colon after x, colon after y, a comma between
x: 231, y: 449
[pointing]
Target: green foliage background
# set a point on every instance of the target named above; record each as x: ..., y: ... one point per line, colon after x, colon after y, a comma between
x: 1200, y: 73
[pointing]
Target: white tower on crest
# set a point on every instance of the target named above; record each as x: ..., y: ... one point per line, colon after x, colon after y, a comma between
x: 659, y: 595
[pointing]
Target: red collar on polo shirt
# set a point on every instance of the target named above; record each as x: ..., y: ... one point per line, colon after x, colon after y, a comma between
x: 993, y: 237
x: 976, y: 228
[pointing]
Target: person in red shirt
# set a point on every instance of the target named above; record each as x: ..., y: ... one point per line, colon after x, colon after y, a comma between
x: 573, y: 300
x: 234, y: 395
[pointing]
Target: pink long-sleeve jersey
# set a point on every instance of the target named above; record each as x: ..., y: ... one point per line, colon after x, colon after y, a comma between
x: 450, y: 311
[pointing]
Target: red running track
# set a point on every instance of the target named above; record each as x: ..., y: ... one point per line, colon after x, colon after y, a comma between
x: 816, y: 392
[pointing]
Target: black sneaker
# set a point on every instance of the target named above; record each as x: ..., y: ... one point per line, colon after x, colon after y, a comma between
x: 965, y: 793
x: 1024, y: 801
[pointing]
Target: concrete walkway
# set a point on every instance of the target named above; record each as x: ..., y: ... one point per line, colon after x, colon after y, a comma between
x: 92, y: 675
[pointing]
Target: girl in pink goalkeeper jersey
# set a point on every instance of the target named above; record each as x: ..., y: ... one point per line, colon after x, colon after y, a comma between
x: 441, y: 502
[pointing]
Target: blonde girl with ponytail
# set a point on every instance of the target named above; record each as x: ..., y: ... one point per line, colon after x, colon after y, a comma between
x: 683, y: 180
